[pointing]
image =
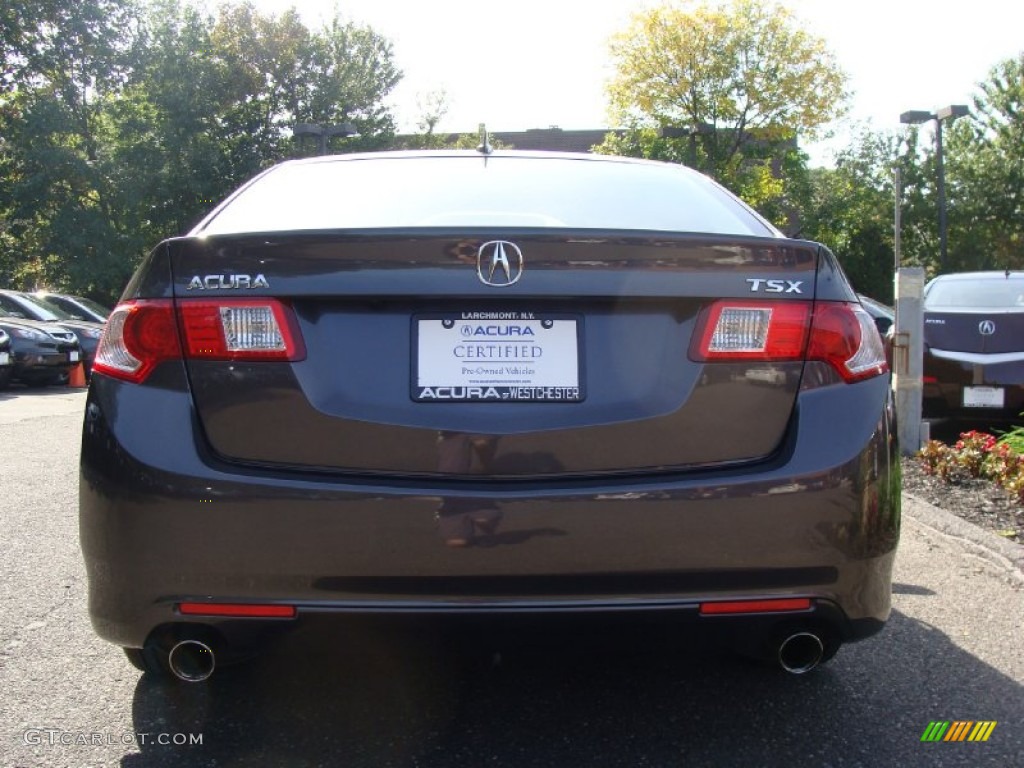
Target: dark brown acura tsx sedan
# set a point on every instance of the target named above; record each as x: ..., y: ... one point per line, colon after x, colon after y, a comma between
x: 480, y: 383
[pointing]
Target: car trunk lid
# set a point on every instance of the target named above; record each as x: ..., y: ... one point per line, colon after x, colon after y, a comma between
x: 616, y: 312
x: 979, y: 332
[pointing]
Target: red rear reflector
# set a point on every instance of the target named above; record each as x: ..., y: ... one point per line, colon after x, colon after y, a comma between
x: 756, y: 606
x: 930, y: 380
x: 245, y: 610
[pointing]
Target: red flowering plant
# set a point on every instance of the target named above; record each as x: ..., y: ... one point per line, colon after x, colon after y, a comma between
x: 972, y: 449
x: 1006, y: 467
x: 937, y: 458
x: 978, y: 455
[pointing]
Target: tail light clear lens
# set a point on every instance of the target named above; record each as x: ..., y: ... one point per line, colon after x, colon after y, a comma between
x: 262, y: 329
x: 751, y: 330
x: 141, y: 334
x: 839, y: 333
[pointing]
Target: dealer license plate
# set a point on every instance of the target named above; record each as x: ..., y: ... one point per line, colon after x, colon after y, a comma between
x: 497, y: 356
x: 984, y: 397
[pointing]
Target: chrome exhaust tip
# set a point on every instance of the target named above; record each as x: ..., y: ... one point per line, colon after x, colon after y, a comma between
x: 191, y: 660
x: 800, y: 652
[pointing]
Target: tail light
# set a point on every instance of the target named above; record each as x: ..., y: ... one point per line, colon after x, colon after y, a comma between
x: 839, y: 333
x: 143, y: 333
x: 751, y: 330
x: 262, y: 329
x: 138, y: 336
x: 845, y: 336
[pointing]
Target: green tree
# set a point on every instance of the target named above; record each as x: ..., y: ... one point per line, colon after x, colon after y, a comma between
x: 61, y: 62
x: 433, y: 106
x: 172, y: 132
x: 851, y: 209
x: 121, y: 126
x: 727, y: 89
x: 985, y: 169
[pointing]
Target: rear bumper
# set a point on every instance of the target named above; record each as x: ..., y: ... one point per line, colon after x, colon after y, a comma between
x: 33, y: 363
x: 946, y: 377
x: 163, y: 522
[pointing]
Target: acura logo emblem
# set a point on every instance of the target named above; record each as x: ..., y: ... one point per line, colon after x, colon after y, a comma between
x: 986, y: 327
x: 499, y: 263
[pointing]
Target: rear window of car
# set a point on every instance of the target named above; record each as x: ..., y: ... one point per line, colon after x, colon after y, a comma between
x: 476, y: 191
x: 981, y: 293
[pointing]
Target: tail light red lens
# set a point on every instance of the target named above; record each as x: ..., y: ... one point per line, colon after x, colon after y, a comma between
x: 138, y: 336
x: 839, y: 333
x: 141, y: 334
x: 845, y: 336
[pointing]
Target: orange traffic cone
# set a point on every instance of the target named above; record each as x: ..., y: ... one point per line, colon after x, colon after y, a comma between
x: 76, y: 376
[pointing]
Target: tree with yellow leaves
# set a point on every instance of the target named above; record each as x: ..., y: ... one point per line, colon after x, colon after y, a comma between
x: 727, y: 88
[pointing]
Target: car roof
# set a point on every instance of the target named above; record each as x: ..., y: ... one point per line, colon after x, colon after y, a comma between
x: 470, y: 153
x: 1000, y: 274
x: 712, y: 209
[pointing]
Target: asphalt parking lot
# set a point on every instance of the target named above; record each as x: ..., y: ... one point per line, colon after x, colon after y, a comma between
x: 402, y: 694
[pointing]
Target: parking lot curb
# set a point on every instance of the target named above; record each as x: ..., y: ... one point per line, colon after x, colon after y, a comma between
x: 1005, y: 554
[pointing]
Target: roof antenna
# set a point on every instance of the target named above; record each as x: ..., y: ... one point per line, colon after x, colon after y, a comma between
x: 485, y: 147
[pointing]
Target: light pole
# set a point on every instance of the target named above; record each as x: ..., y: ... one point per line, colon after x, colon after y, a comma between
x: 324, y: 132
x: 916, y: 117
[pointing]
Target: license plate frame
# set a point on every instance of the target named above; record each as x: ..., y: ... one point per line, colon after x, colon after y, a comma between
x: 984, y: 397
x: 497, y: 356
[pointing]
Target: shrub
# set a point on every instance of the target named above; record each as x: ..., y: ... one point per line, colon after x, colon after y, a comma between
x: 978, y: 454
x: 1014, y: 438
x: 972, y: 449
x: 938, y: 459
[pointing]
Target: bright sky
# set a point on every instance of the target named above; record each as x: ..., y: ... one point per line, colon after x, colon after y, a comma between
x: 538, y: 63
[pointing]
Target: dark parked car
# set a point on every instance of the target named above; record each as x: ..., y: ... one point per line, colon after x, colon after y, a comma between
x: 974, y: 345
x: 42, y: 353
x: 77, y: 307
x: 6, y: 359
x: 87, y: 331
x: 883, y: 315
x: 487, y: 383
